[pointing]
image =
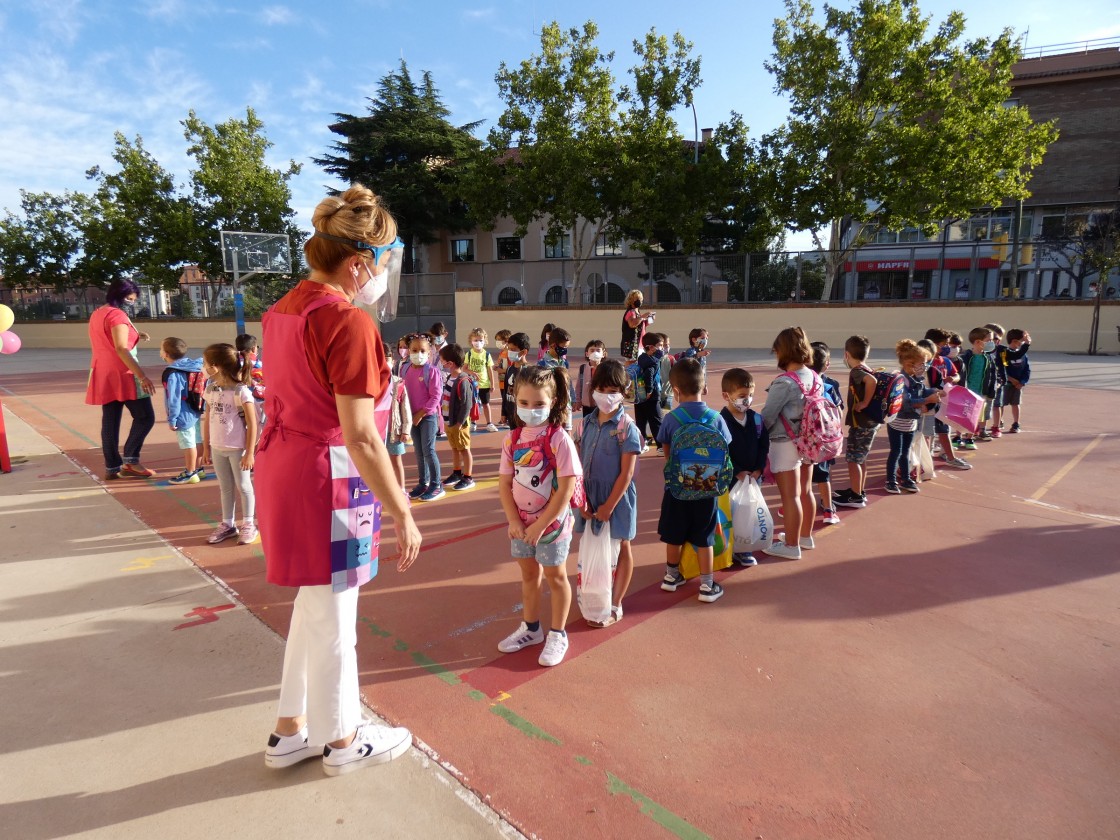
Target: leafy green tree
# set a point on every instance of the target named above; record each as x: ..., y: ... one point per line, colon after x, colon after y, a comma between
x: 586, y: 157
x: 407, y: 151
x: 893, y: 124
x: 137, y: 223
x: 233, y: 188
x: 42, y: 247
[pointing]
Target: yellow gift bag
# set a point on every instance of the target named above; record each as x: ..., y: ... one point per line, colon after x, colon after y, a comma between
x: 721, y: 546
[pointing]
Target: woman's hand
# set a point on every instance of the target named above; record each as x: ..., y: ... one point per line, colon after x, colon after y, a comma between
x: 143, y: 336
x: 147, y: 384
x: 408, y: 541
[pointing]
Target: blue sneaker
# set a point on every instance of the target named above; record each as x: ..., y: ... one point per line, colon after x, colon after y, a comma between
x: 744, y: 559
x: 434, y: 493
x: 418, y: 491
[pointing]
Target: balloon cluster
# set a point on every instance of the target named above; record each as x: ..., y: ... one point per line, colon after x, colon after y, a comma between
x: 9, y: 341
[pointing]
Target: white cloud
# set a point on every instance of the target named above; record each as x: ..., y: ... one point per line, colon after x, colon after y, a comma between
x: 277, y: 15
x: 478, y: 14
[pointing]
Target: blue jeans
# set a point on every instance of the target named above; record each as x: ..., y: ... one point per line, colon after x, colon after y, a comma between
x: 898, y: 462
x: 424, y: 442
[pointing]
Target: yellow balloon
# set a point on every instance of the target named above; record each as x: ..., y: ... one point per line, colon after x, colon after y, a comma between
x: 7, y: 317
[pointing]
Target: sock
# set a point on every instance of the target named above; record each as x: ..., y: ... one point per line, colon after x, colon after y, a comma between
x: 670, y: 569
x: 707, y: 579
x: 533, y: 626
x: 561, y: 632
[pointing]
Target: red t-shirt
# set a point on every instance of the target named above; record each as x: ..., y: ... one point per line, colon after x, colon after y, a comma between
x: 344, y: 348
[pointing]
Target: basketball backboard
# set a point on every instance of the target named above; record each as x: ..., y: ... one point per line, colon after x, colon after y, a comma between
x: 255, y: 253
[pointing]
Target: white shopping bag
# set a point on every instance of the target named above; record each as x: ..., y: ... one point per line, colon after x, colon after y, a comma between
x: 751, y: 522
x: 921, y: 459
x: 593, y: 572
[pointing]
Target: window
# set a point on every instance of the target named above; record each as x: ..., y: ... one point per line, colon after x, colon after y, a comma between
x: 555, y: 294
x: 1053, y: 227
x: 559, y: 248
x: 509, y: 296
x: 604, y: 247
x: 507, y: 247
x: 667, y: 292
x: 885, y: 237
x: 910, y: 234
x: 462, y: 250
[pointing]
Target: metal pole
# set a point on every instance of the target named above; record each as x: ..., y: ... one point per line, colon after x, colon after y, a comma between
x: 1013, y: 286
x: 238, y: 298
x: 695, y: 162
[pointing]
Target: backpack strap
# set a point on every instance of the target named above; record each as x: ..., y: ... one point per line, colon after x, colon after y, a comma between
x: 758, y: 424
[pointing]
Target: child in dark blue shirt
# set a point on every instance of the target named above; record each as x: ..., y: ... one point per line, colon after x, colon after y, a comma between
x: 1018, y: 368
x: 647, y: 411
x: 750, y: 442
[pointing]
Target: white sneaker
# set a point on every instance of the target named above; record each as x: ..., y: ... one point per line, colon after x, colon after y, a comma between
x: 780, y: 549
x: 247, y: 534
x: 807, y: 543
x: 520, y: 638
x: 373, y: 744
x: 286, y: 750
x: 490, y: 427
x: 554, y: 649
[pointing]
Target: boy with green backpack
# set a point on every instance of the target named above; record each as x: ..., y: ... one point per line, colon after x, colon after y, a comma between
x: 698, y: 471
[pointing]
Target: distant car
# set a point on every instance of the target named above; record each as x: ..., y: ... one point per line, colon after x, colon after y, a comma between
x: 60, y: 317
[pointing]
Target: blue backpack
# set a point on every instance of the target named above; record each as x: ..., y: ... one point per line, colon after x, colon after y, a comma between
x: 642, y: 389
x: 699, y: 465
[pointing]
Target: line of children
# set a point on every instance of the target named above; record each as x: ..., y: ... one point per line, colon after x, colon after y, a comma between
x: 822, y: 472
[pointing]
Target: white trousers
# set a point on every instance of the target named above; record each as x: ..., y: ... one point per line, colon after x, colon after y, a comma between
x: 320, y: 677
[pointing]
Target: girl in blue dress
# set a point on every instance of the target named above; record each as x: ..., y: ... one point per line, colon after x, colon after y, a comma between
x: 609, y: 449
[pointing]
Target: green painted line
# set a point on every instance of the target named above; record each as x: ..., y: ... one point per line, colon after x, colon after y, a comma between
x: 51, y: 417
x: 433, y: 667
x: 374, y: 629
x: 583, y: 760
x: 400, y: 645
x: 475, y: 694
x: 659, y: 814
x: 519, y: 723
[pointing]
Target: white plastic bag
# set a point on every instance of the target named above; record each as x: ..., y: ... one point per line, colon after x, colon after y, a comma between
x: 751, y: 522
x: 593, y: 572
x: 921, y: 459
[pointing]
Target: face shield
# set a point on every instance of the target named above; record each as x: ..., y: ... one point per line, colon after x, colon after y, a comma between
x: 387, y: 282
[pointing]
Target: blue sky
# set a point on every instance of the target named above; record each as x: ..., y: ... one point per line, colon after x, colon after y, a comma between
x: 75, y: 71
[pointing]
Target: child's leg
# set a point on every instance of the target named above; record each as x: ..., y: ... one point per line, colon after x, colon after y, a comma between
x: 622, y: 573
x: 190, y: 459
x: 1015, y: 413
x: 560, y: 590
x: 422, y: 433
x: 946, y: 445
x: 906, y: 440
x: 655, y: 420
x: 895, y: 438
x: 248, y: 494
x: 398, y: 469
x: 530, y: 588
x: 468, y: 462
x: 705, y: 558
x: 808, y: 501
x: 788, y: 483
x: 456, y: 459
x: 673, y: 555
x: 227, y: 481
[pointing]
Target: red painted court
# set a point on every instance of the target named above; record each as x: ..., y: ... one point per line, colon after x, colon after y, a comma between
x: 942, y: 665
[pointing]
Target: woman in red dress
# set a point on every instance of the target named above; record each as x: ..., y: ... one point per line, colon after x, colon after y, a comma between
x: 116, y: 382
x: 324, y: 479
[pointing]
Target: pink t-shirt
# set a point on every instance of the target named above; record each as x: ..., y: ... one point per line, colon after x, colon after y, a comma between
x: 533, y: 475
x: 227, y: 415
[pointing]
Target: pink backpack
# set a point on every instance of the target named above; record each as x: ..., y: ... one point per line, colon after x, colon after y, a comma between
x: 822, y: 426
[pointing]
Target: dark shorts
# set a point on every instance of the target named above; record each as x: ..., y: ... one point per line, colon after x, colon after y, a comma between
x: 1012, y: 395
x: 941, y: 428
x: 692, y: 521
x: 822, y: 472
x: 484, y: 396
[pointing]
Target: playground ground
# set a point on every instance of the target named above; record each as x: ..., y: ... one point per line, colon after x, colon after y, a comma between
x: 941, y: 665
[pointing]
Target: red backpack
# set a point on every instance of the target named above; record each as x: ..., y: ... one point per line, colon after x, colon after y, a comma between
x: 821, y: 437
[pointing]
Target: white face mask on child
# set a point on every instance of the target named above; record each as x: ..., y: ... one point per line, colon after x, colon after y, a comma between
x: 595, y: 356
x: 533, y: 417
x: 607, y: 403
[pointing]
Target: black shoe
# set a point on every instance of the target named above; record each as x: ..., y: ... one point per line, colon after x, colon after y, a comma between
x: 454, y: 478
x: 672, y: 580
x: 848, y: 498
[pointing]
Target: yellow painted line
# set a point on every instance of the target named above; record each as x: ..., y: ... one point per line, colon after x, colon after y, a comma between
x: 1064, y: 471
x: 143, y: 563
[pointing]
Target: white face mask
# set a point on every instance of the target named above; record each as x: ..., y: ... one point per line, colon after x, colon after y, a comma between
x: 477, y: 345
x: 743, y: 404
x: 374, y: 288
x: 532, y: 417
x: 595, y: 355
x: 499, y: 347
x: 402, y: 352
x: 515, y: 357
x: 438, y: 341
x: 608, y: 403
x: 418, y: 359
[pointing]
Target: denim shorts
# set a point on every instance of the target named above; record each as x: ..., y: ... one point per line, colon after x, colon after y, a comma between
x: 397, y: 448
x: 859, y: 444
x: 547, y: 554
x: 189, y: 437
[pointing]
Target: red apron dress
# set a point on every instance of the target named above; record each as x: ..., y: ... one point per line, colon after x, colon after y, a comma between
x: 319, y: 521
x: 109, y: 379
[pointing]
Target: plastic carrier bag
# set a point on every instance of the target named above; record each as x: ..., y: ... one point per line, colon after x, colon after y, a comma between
x: 752, y: 524
x: 594, y: 572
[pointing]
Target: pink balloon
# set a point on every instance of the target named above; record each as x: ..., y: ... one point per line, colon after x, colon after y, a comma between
x: 9, y: 342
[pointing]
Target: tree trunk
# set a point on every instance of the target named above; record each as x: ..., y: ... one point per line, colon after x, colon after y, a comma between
x: 1095, y: 328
